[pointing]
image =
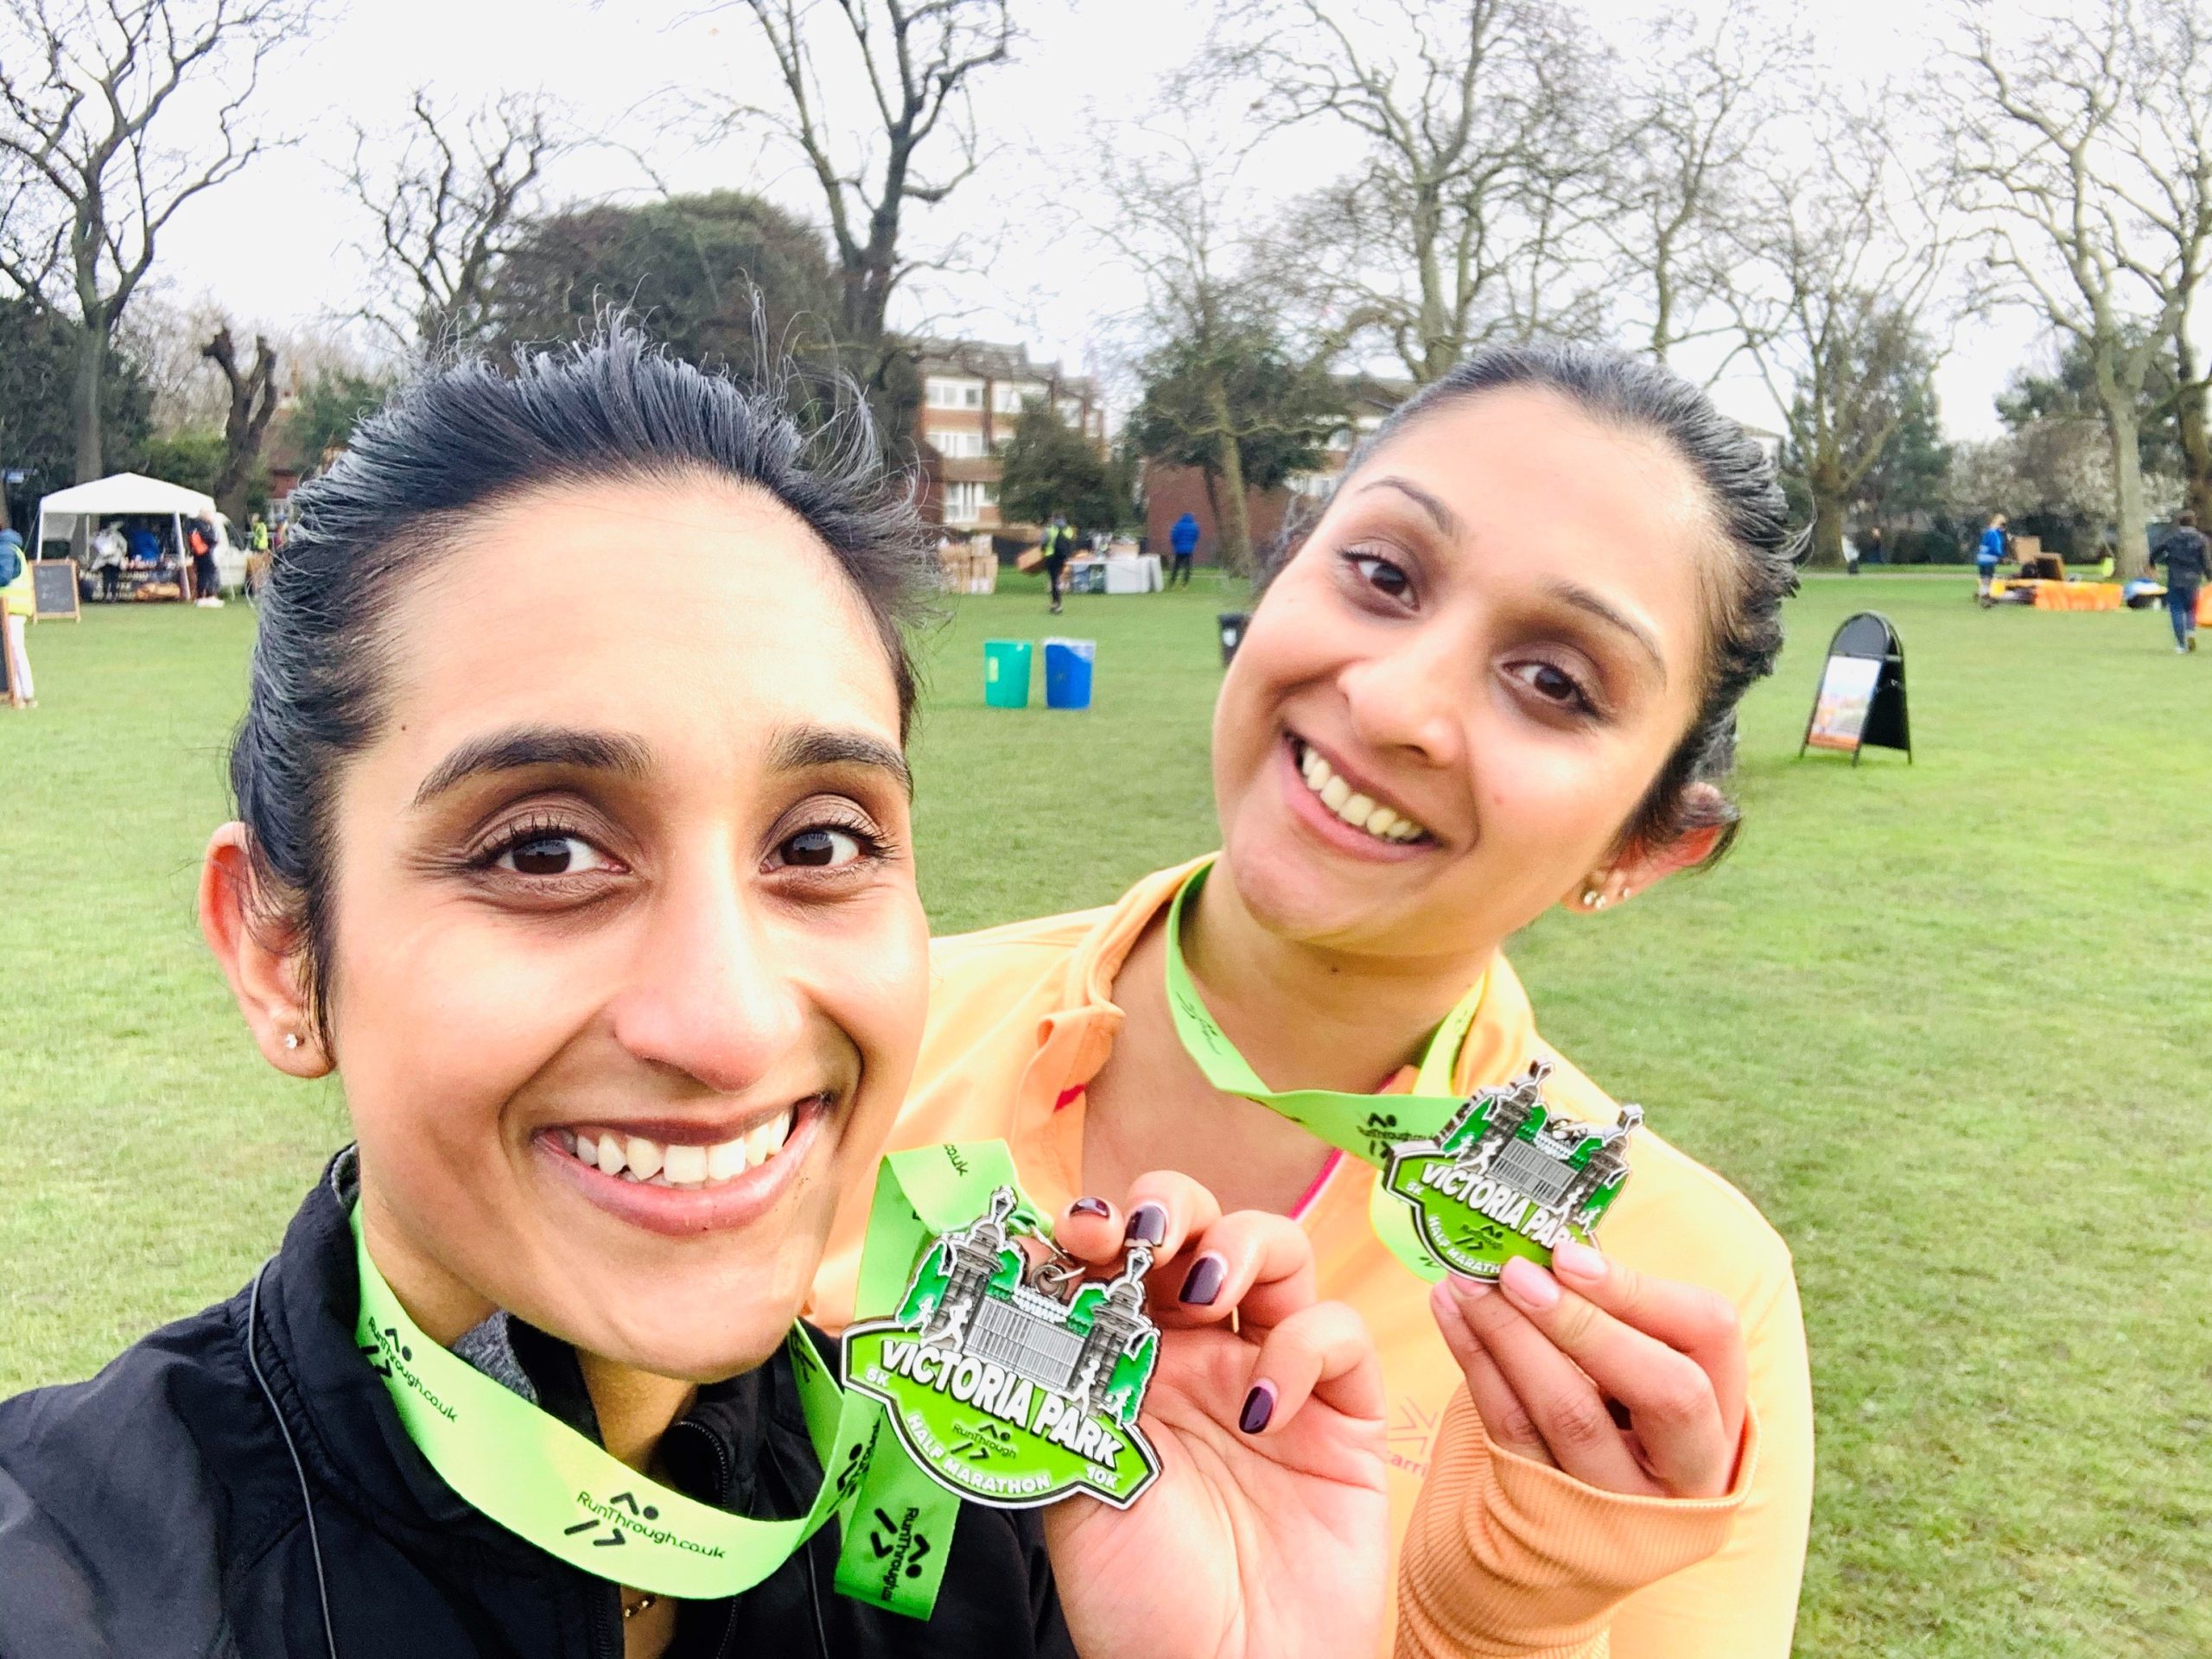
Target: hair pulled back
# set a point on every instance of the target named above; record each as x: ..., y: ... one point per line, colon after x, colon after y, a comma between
x: 463, y: 439
x: 1744, y: 586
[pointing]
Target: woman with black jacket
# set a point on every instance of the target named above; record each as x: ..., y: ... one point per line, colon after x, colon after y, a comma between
x: 592, y: 881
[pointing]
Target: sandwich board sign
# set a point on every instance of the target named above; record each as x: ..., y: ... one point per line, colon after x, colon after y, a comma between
x: 1861, y: 702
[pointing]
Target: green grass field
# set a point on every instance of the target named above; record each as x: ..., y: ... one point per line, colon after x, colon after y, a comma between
x: 1948, y: 1023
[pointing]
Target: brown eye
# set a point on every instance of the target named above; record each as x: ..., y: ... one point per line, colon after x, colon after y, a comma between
x: 819, y: 849
x: 551, y: 855
x: 1552, y: 684
x: 1383, y: 577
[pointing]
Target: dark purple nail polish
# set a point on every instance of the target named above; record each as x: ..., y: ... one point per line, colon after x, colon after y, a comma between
x: 1203, y: 1283
x: 1090, y: 1207
x: 1259, y: 1406
x: 1148, y: 1222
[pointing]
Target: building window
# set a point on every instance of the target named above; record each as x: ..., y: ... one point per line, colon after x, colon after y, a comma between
x: 965, y: 499
x: 943, y: 391
x: 1008, y: 396
x: 956, y: 446
x: 1071, y: 412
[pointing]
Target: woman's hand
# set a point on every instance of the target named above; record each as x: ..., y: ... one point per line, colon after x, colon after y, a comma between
x: 1627, y: 1382
x: 1267, y: 1533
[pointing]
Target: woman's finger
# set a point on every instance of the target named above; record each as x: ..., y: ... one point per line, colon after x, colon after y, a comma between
x: 1163, y: 1208
x: 1324, y: 1352
x: 1257, y: 1266
x: 1565, y: 1406
x: 1688, y: 1319
x: 1505, y: 1419
x: 1677, y: 1419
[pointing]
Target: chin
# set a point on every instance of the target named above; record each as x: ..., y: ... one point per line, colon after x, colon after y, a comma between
x: 675, y: 1342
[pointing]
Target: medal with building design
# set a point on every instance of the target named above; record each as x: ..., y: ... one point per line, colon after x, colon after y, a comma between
x: 1507, y: 1176
x: 1014, y: 1384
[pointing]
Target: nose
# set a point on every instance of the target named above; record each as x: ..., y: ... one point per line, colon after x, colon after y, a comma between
x: 1413, y: 698
x: 706, y: 994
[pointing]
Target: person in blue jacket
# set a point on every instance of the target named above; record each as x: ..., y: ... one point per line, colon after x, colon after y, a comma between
x: 1182, y: 540
x: 1987, y: 556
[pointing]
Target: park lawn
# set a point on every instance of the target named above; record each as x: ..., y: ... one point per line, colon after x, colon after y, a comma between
x: 1945, y: 1023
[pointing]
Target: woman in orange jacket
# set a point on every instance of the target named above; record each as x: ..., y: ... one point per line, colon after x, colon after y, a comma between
x: 1499, y: 674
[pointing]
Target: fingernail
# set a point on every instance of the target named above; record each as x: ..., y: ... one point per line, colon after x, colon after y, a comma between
x: 1203, y: 1283
x: 1259, y: 1406
x: 1148, y: 1222
x: 1469, y: 1290
x: 1574, y: 1260
x: 1528, y: 1286
x: 1090, y: 1207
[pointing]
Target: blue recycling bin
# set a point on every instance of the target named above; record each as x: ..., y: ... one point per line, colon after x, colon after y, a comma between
x: 1068, y: 663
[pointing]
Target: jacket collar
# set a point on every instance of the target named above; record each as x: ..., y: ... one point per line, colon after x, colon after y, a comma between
x: 735, y: 1448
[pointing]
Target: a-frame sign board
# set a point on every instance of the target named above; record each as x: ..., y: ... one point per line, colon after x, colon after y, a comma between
x: 1861, y: 702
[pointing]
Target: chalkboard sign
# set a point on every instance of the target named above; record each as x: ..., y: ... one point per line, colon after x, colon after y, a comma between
x: 1861, y: 702
x: 54, y: 589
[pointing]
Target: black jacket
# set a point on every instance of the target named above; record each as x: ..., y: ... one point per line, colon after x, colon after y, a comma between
x: 176, y: 1505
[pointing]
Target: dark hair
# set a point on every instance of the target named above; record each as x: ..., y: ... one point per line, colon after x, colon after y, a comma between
x: 463, y: 440
x: 2186, y: 519
x: 1744, y: 596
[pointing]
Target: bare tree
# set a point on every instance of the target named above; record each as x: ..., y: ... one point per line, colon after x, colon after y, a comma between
x: 911, y: 66
x: 101, y: 148
x: 2085, y: 145
x: 447, y: 203
x: 1696, y: 99
x: 1837, y: 301
x: 1224, y: 390
x: 1468, y: 217
x: 245, y: 424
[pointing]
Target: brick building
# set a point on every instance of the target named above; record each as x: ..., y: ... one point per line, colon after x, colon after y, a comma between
x: 1169, y: 492
x: 973, y: 392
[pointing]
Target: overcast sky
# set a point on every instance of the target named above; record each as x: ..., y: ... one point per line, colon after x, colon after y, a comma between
x: 278, y: 244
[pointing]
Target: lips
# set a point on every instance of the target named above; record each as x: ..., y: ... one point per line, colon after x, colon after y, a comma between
x: 1359, y: 809
x: 682, y: 1179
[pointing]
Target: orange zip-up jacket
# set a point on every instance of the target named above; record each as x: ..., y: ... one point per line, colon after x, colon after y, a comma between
x: 1498, y: 1555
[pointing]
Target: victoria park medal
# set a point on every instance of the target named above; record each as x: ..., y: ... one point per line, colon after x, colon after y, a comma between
x: 1506, y: 1176
x: 1013, y: 1385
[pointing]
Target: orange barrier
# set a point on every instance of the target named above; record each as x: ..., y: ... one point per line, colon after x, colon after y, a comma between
x: 2067, y: 595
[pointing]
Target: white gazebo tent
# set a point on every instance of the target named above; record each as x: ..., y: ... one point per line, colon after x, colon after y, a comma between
x: 121, y: 494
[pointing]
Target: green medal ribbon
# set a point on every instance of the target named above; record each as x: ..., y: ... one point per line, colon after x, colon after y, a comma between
x: 546, y: 1483
x: 1366, y: 1126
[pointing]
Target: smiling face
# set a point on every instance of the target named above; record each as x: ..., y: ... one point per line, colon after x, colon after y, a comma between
x: 627, y: 964
x: 1456, y: 695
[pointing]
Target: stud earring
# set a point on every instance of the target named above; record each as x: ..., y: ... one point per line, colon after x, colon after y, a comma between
x: 291, y: 1039
x: 1591, y: 898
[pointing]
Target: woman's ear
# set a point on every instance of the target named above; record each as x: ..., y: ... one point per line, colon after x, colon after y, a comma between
x: 1640, y: 864
x: 267, y: 974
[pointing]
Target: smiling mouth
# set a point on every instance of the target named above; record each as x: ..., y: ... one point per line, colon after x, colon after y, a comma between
x: 1362, y: 812
x: 689, y: 1166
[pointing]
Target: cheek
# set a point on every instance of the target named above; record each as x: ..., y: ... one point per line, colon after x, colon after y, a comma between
x: 442, y: 1012
x: 868, y: 970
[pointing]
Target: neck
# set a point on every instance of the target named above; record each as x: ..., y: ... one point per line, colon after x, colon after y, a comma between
x: 1312, y: 1016
x: 634, y: 1408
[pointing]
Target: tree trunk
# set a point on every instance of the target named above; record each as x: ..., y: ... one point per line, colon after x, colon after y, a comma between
x: 2131, y: 559
x: 1828, y: 529
x: 1232, y: 521
x: 85, y: 397
x: 2195, y: 442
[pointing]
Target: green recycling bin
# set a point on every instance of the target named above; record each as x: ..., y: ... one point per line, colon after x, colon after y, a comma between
x: 1005, y: 673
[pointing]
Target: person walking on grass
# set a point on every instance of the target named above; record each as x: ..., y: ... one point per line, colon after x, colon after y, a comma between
x: 1987, y: 556
x: 1059, y: 541
x: 1183, y: 542
x: 2187, y: 559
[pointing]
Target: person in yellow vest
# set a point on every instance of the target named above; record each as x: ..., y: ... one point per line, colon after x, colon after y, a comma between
x: 18, y: 603
x: 1497, y: 677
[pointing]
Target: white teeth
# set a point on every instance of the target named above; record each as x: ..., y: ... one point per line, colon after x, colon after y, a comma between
x: 1361, y: 811
x: 649, y: 1163
x: 726, y: 1160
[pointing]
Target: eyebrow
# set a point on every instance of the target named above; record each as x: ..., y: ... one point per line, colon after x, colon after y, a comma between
x: 1447, y: 520
x: 1583, y: 600
x: 801, y: 748
x: 521, y: 747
